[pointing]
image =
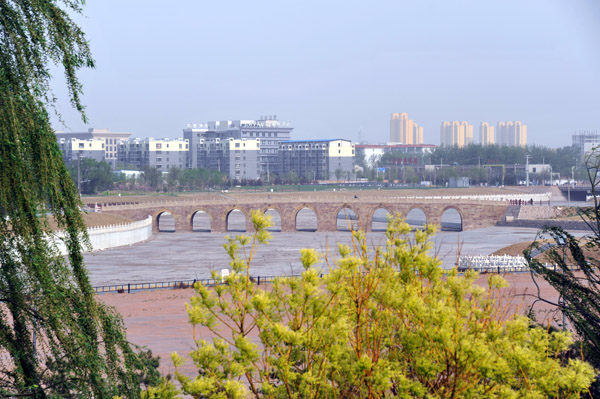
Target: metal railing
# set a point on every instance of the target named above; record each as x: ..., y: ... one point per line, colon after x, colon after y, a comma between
x: 131, y: 287
x: 258, y: 280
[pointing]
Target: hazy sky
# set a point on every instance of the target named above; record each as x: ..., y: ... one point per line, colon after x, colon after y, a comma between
x: 334, y: 67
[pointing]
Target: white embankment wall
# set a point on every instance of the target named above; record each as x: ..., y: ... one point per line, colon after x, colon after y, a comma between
x: 105, y: 237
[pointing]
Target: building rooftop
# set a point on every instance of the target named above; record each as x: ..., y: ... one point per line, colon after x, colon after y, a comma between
x: 312, y: 141
x: 396, y: 145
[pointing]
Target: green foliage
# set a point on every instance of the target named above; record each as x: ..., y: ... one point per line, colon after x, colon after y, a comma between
x: 95, y: 176
x: 579, y: 289
x: 561, y: 159
x: 383, y: 322
x: 179, y: 179
x: 165, y: 389
x: 152, y: 177
x: 55, y: 339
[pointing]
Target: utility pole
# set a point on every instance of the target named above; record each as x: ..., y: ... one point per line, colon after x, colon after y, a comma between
x: 79, y: 172
x: 527, y: 169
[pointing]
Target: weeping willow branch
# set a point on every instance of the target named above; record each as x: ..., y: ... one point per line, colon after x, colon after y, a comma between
x: 45, y: 295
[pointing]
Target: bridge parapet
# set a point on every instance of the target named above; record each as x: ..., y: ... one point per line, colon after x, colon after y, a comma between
x: 473, y: 214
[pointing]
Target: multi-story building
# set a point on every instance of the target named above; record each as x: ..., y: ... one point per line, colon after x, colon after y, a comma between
x: 404, y: 130
x: 456, y: 133
x: 317, y: 159
x: 268, y: 129
x: 162, y: 154
x: 111, y: 140
x: 237, y: 158
x: 512, y: 134
x: 74, y: 149
x: 586, y: 140
x: 486, y: 134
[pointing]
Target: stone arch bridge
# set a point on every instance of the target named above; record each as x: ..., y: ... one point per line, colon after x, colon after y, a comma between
x: 474, y: 213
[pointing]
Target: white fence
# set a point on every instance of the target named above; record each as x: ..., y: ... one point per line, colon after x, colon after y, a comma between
x: 105, y: 237
x: 505, y: 263
x: 500, y: 264
x: 536, y: 197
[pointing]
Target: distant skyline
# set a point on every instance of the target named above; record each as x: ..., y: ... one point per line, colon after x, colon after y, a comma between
x: 334, y: 68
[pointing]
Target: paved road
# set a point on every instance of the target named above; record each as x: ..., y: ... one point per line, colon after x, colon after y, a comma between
x: 170, y: 256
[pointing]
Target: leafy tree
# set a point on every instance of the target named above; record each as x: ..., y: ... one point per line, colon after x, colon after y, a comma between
x: 56, y: 340
x: 152, y: 177
x: 579, y: 288
x: 384, y: 322
x: 338, y: 173
x: 561, y: 159
x: 410, y: 176
x: 174, y: 178
x: 95, y: 176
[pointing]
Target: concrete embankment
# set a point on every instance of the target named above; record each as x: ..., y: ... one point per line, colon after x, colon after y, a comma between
x: 112, y: 236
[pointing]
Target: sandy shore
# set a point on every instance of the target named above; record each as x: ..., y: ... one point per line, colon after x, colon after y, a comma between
x: 158, y: 319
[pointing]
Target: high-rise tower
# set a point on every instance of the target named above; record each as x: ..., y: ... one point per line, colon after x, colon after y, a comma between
x: 512, y: 134
x: 486, y: 134
x: 404, y: 130
x: 456, y: 133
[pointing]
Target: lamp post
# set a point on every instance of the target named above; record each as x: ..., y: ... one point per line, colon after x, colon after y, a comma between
x: 527, y: 169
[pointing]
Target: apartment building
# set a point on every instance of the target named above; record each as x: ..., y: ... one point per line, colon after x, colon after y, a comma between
x: 455, y: 133
x: 511, y: 134
x: 162, y: 154
x: 486, y: 134
x: 404, y: 130
x: 317, y: 159
x: 111, y: 140
x: 73, y: 149
x: 267, y: 129
x: 236, y: 158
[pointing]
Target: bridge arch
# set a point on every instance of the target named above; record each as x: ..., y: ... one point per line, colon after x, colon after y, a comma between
x: 169, y: 220
x: 378, y: 217
x: 451, y: 219
x: 201, y: 225
x: 276, y: 217
x: 236, y: 224
x: 305, y: 225
x: 416, y: 217
x: 346, y: 218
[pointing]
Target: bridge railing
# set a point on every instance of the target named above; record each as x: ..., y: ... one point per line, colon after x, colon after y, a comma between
x: 501, y: 200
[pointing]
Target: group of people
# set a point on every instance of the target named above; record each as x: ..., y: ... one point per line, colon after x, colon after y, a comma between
x: 523, y: 202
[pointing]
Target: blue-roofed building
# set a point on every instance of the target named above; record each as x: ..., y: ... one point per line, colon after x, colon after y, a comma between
x: 331, y: 159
